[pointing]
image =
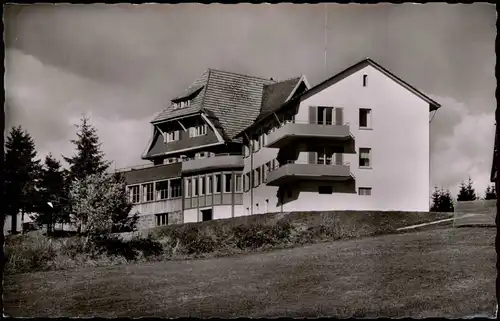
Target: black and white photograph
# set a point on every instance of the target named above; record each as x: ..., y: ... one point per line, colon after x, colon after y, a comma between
x: 250, y: 160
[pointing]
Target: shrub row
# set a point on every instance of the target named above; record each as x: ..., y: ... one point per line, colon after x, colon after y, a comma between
x: 29, y: 253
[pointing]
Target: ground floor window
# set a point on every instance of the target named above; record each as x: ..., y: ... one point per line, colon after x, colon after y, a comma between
x: 162, y: 219
x: 325, y: 190
x: 206, y: 215
x: 365, y: 191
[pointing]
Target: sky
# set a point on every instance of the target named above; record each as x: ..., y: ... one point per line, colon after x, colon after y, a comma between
x: 121, y: 65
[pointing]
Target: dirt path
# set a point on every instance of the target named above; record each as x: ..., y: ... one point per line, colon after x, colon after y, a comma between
x: 446, y: 273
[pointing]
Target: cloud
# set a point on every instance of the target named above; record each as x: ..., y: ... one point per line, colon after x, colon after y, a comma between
x: 48, y: 102
x: 461, y: 145
x: 123, y: 63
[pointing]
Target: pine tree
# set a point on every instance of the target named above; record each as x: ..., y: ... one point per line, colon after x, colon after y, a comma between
x: 446, y: 202
x: 54, y: 190
x: 436, y: 200
x: 89, y: 158
x: 22, y: 171
x: 442, y: 201
x: 490, y: 193
x: 466, y: 192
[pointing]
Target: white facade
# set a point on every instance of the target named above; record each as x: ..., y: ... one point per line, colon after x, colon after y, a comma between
x: 398, y: 139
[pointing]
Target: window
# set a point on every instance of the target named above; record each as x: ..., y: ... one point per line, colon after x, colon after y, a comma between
x: 210, y: 184
x: 365, y: 80
x: 325, y: 190
x: 161, y: 219
x: 172, y: 136
x: 182, y: 104
x: 187, y: 186
x: 195, y: 186
x: 175, y: 188
x: 203, y: 189
x: 201, y: 155
x: 198, y: 130
x: 161, y: 190
x: 257, y: 144
x: 262, y: 140
x: 147, y: 191
x: 365, y: 116
x: 256, y: 177
x: 364, y: 157
x: 324, y: 156
x: 218, y: 183
x: 247, y: 181
x: 238, y: 186
x: 325, y: 115
x: 365, y: 191
x: 227, y: 183
x: 134, y: 194
x: 267, y: 168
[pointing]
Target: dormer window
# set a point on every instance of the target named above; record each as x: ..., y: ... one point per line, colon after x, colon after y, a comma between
x: 182, y: 104
x: 198, y: 130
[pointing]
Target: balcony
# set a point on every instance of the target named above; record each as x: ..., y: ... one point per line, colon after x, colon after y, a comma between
x: 296, y: 131
x: 158, y: 206
x: 219, y: 161
x: 294, y: 171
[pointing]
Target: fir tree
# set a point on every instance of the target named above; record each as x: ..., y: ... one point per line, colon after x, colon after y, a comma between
x: 442, y: 201
x: 89, y: 159
x: 22, y: 171
x: 466, y: 192
x: 53, y: 191
x: 490, y: 193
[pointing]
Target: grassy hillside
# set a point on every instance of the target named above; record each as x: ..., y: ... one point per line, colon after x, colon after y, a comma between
x: 28, y: 253
x: 440, y: 273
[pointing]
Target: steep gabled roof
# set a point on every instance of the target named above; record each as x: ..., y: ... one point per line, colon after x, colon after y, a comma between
x: 233, y: 99
x: 196, y: 89
x: 276, y: 95
x: 360, y: 65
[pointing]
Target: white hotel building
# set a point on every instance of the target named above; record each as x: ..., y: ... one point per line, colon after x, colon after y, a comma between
x: 236, y: 145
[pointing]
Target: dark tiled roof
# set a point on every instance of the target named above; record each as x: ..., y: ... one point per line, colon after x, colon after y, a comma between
x: 276, y: 94
x: 196, y: 103
x: 234, y: 99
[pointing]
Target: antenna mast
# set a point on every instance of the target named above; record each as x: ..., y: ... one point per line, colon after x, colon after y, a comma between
x: 326, y: 31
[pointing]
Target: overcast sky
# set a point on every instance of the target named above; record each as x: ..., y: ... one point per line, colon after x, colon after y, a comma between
x: 122, y: 64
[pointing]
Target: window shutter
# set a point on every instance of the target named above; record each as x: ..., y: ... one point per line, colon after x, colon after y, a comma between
x: 312, y: 157
x: 339, y: 116
x: 339, y: 158
x: 313, y: 112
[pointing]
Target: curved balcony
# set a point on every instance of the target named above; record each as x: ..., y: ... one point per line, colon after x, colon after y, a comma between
x: 219, y: 161
x: 299, y: 131
x: 294, y: 171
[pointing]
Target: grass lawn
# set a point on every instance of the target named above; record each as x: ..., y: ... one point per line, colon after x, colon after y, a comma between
x: 443, y: 272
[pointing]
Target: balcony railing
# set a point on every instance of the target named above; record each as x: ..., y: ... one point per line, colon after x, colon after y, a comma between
x: 218, y: 161
x: 126, y: 169
x: 290, y: 130
x: 297, y: 170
